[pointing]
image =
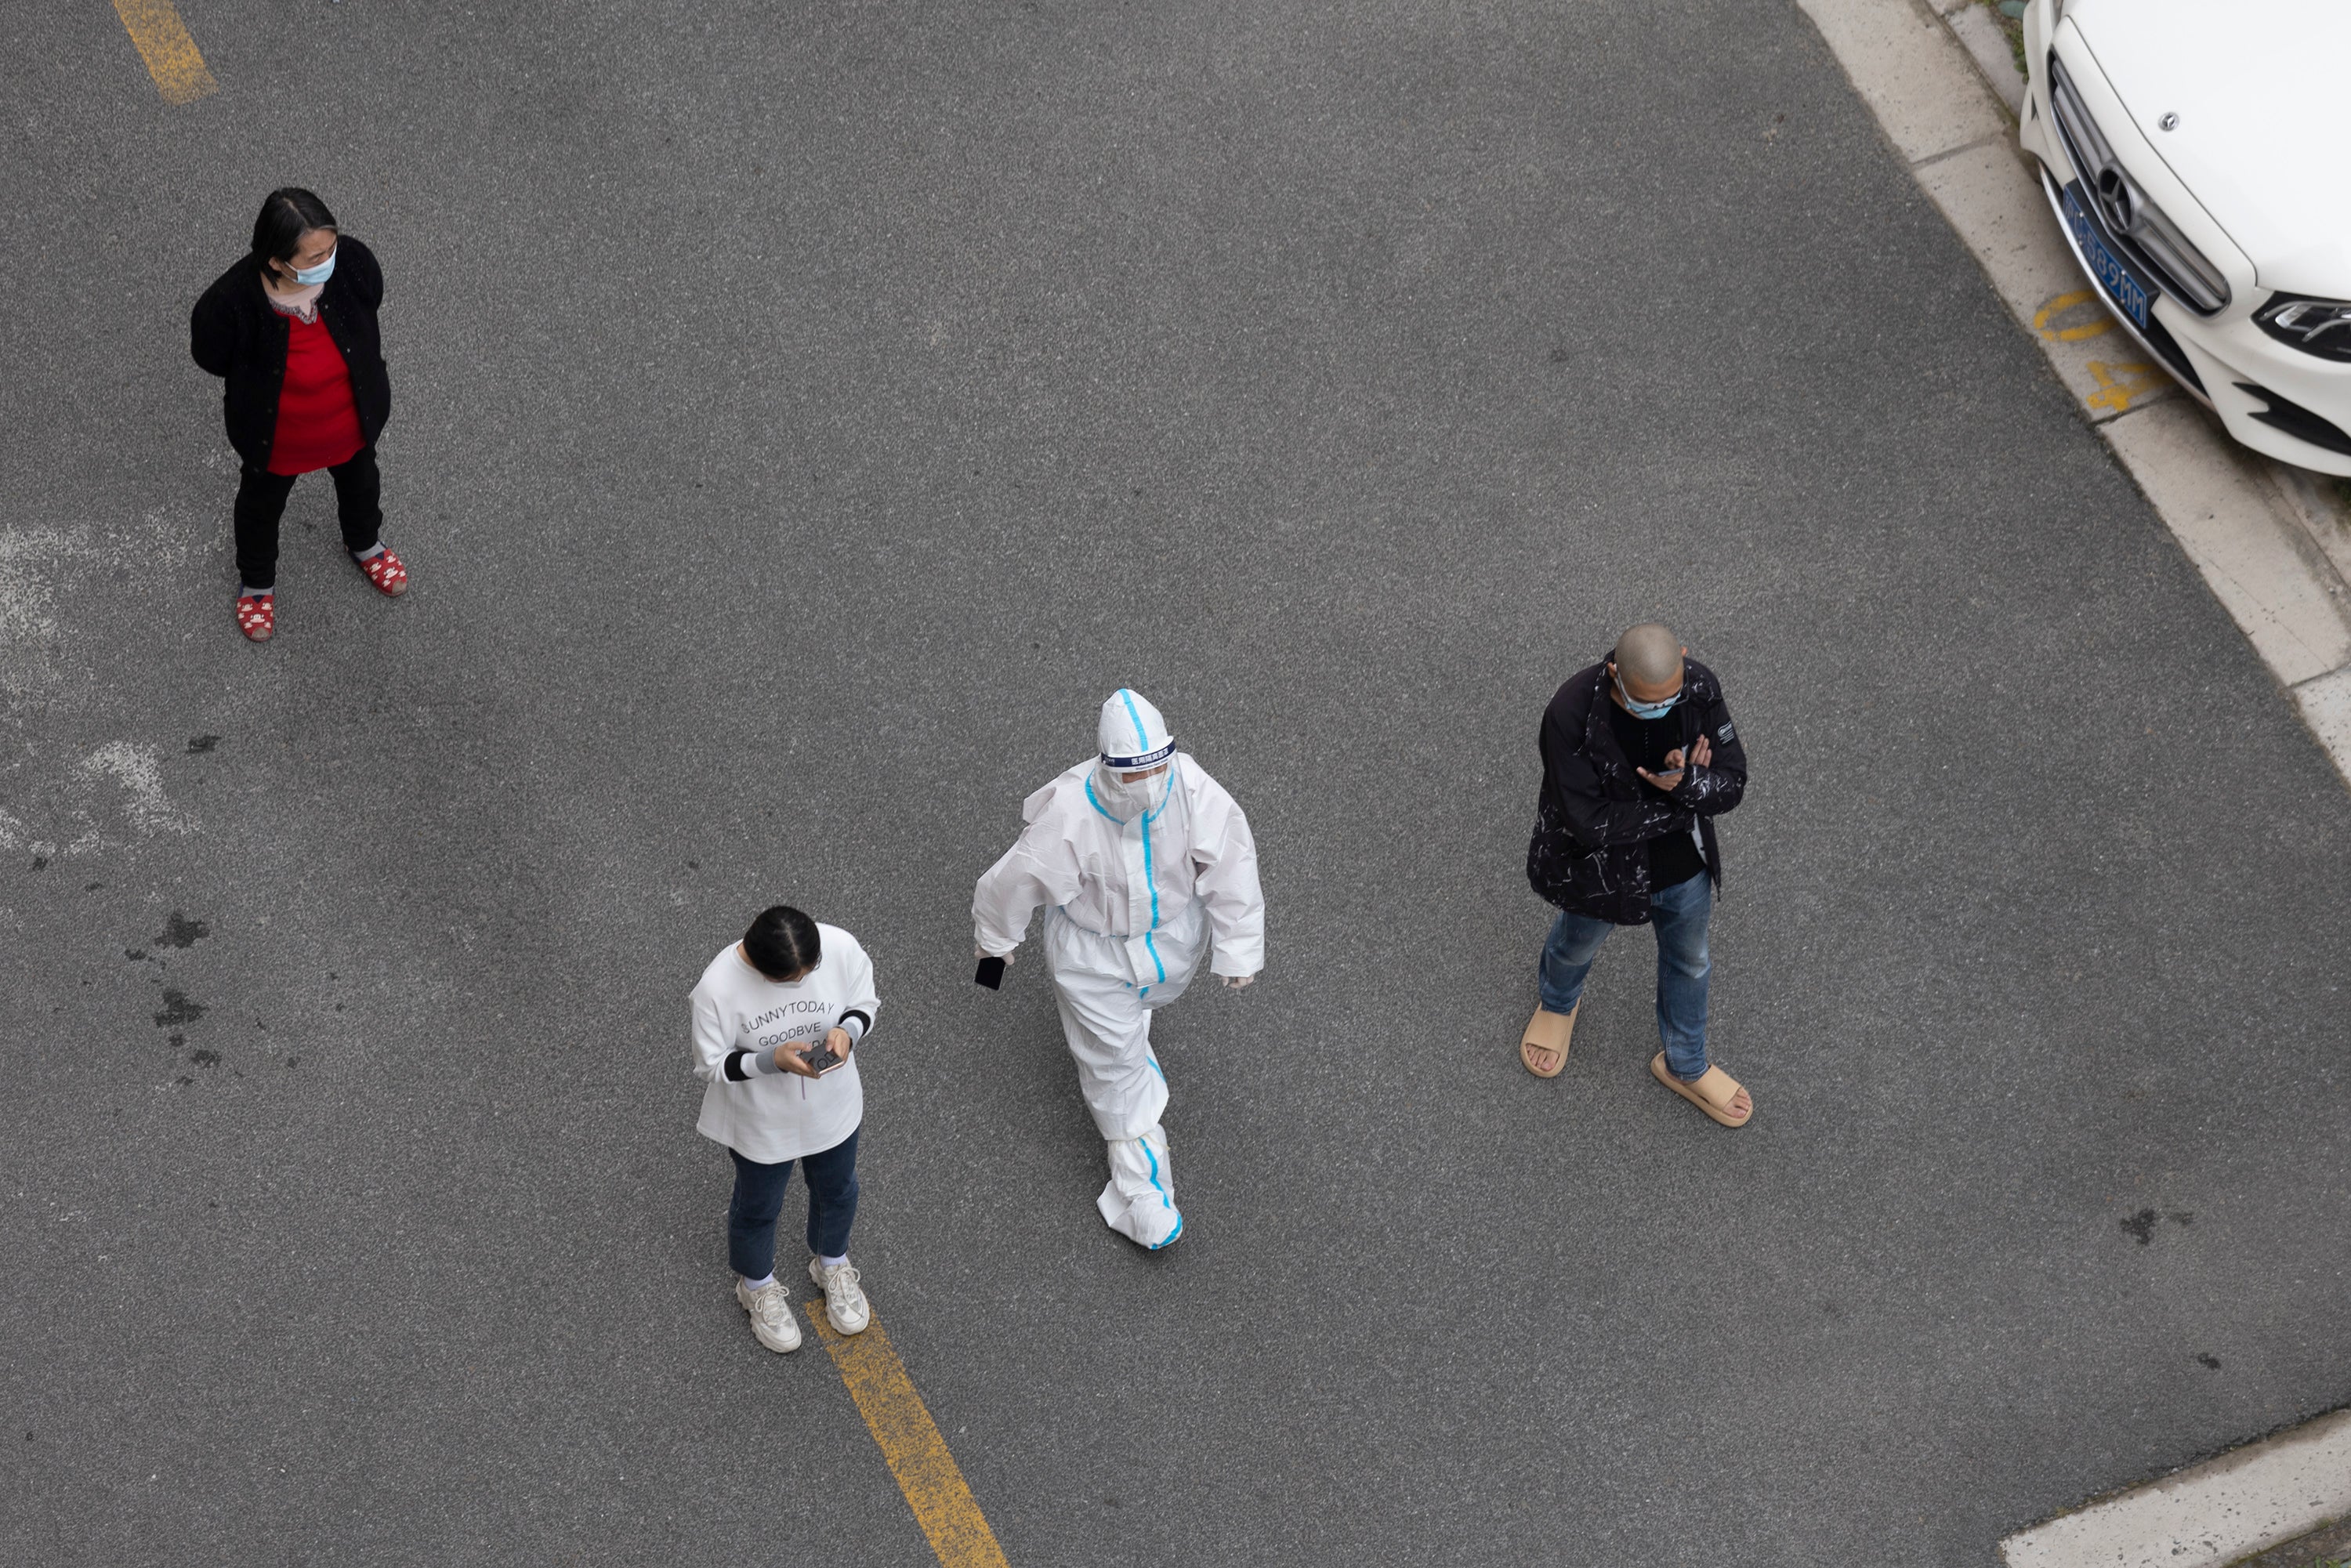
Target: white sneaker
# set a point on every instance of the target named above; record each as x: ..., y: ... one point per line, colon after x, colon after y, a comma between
x: 773, y: 1322
x: 844, y: 1303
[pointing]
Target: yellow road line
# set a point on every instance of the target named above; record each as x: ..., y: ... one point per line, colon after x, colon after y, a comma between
x: 911, y: 1443
x: 172, y: 57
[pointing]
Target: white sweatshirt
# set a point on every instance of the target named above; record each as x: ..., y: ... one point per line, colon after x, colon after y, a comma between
x: 764, y: 1114
x: 1129, y: 879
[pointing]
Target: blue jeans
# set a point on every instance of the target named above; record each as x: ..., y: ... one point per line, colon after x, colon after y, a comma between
x: 760, y: 1197
x: 1679, y: 913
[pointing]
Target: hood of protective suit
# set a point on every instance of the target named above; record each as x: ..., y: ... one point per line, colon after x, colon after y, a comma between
x: 1132, y: 737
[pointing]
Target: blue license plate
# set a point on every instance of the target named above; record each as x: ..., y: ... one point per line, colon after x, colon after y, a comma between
x: 2129, y: 295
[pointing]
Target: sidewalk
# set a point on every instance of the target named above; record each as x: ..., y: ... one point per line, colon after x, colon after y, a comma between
x: 2265, y: 1497
x: 2273, y: 544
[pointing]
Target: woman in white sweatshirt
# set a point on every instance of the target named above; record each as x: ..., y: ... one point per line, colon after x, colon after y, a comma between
x: 777, y: 1018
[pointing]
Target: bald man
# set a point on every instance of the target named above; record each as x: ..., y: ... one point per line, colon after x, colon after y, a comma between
x: 1639, y: 758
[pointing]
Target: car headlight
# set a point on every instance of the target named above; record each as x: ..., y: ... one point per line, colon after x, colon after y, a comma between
x: 2320, y: 326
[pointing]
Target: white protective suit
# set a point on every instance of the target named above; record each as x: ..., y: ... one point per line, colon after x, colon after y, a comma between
x: 1139, y: 882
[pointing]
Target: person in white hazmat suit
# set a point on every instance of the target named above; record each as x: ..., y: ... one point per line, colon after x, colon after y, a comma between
x: 1145, y: 866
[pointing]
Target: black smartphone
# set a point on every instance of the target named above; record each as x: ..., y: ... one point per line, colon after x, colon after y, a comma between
x: 821, y: 1060
x: 991, y: 973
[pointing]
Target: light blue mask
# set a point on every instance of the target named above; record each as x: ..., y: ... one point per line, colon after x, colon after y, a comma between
x: 307, y: 275
x: 1646, y: 710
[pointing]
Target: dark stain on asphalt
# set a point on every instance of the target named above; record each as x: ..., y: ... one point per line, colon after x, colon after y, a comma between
x: 177, y: 1040
x: 2210, y: 1362
x: 204, y: 1058
x: 178, y: 1009
x: 134, y: 954
x: 183, y: 932
x: 40, y: 860
x: 2142, y: 1225
x: 201, y: 742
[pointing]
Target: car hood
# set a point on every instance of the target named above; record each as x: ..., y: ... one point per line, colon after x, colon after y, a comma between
x: 2264, y: 138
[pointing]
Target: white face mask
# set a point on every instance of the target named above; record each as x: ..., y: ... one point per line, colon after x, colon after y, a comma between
x: 1127, y: 802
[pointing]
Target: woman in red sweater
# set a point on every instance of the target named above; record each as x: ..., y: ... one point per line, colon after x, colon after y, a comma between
x: 292, y: 329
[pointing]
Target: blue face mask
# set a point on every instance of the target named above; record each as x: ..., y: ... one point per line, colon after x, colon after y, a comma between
x: 1645, y: 710
x: 307, y: 275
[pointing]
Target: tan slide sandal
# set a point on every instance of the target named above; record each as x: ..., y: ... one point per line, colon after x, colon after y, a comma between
x: 1547, y: 1031
x: 1712, y: 1093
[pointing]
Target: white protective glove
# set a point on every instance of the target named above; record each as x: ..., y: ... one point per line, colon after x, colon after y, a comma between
x: 978, y: 952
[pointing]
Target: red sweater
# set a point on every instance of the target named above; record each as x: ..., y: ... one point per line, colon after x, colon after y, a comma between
x: 318, y: 424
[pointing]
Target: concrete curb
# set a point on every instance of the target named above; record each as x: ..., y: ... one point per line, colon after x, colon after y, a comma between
x: 2246, y: 1500
x: 2330, y: 1543
x: 2272, y: 545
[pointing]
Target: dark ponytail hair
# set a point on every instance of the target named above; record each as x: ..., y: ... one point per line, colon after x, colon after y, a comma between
x: 287, y: 214
x: 782, y: 943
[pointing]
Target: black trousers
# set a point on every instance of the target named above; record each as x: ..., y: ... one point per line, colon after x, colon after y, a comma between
x: 261, y: 501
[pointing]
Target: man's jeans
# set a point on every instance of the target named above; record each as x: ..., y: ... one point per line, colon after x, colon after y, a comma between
x: 760, y: 1199
x: 1679, y: 913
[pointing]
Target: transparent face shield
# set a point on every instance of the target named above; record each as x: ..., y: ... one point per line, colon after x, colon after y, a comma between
x: 1126, y: 802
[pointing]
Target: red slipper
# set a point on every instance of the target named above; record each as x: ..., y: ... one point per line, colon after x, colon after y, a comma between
x: 385, y: 571
x: 256, y: 616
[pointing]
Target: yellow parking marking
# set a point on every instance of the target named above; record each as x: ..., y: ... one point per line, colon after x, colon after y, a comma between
x: 911, y: 1444
x: 172, y: 56
x: 2058, y: 306
x: 2119, y: 384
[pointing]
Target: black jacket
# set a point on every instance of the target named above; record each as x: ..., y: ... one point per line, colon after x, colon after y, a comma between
x: 234, y: 332
x: 1590, y: 853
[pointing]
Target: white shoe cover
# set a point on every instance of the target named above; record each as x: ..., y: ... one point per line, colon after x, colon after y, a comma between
x: 1139, y: 1203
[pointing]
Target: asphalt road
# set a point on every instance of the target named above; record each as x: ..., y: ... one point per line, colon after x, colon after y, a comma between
x: 804, y: 416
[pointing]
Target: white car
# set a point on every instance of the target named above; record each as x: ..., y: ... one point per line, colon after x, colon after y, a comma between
x: 2199, y: 159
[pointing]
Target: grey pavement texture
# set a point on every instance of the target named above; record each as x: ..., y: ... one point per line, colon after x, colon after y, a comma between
x: 804, y: 416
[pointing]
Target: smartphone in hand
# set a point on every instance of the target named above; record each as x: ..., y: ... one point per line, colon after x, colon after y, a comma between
x: 821, y: 1060
x: 991, y: 973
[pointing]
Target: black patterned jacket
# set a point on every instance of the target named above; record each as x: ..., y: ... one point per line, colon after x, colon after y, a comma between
x: 1589, y: 852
